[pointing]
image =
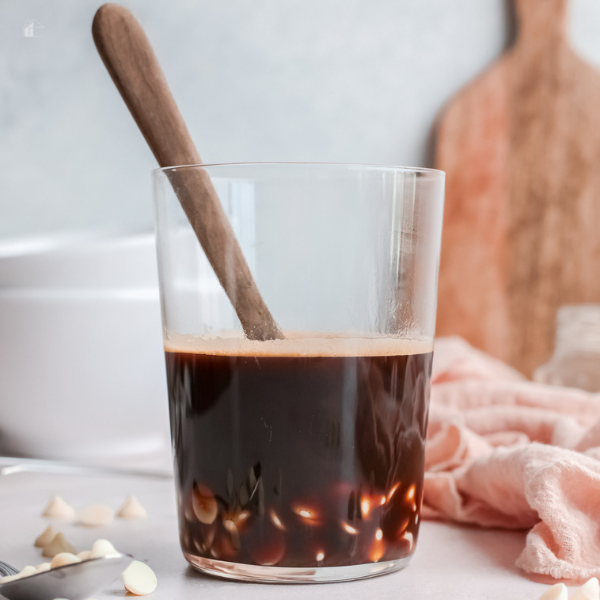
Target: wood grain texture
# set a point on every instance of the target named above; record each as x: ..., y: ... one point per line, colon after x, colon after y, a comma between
x: 130, y: 60
x: 521, y: 149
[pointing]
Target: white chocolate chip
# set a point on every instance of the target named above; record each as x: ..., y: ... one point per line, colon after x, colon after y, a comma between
x: 132, y: 509
x: 96, y: 515
x: 57, y: 508
x: 43, y: 567
x: 139, y: 579
x: 102, y: 548
x: 590, y: 590
x: 45, y: 537
x: 62, y: 559
x: 57, y: 545
x: 556, y: 592
x: 204, y: 504
x: 85, y: 555
x: 27, y: 571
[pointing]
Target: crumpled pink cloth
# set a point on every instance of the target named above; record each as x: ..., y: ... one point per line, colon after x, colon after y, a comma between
x: 505, y: 452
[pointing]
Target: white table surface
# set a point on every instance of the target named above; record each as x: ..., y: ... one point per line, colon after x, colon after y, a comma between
x: 450, y: 562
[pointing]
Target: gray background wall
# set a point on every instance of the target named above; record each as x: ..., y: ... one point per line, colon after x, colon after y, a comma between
x: 256, y: 80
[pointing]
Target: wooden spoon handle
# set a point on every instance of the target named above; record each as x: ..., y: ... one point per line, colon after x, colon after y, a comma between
x: 132, y: 64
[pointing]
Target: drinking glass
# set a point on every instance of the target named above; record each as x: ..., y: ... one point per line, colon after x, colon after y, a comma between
x: 301, y: 459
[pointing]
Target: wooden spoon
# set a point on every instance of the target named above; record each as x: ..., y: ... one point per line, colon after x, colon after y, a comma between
x: 132, y: 64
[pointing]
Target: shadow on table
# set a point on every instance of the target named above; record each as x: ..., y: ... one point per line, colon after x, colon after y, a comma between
x: 503, y: 547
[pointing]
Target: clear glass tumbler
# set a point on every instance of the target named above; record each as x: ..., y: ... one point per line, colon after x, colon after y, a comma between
x: 301, y: 459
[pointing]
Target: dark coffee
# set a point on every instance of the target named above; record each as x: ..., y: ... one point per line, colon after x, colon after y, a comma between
x: 297, y: 460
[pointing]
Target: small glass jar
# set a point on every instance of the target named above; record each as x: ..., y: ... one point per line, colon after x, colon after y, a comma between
x: 576, y: 358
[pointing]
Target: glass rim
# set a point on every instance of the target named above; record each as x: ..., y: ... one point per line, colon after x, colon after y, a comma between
x: 424, y: 171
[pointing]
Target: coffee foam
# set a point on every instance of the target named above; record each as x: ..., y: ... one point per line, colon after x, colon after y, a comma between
x: 297, y: 344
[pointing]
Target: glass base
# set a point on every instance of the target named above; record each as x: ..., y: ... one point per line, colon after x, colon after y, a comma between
x: 257, y: 573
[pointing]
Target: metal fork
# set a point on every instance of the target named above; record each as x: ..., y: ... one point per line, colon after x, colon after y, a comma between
x: 6, y: 569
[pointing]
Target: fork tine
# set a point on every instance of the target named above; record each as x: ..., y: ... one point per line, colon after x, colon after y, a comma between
x: 7, y: 569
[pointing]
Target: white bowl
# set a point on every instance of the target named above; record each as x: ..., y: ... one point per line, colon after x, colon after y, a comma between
x: 82, y: 370
x: 76, y: 261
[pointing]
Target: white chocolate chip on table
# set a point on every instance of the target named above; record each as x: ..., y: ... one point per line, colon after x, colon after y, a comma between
x: 57, y: 545
x: 139, y: 579
x: 556, y: 592
x: 96, y: 515
x: 45, y: 537
x: 132, y: 509
x: 590, y: 590
x: 57, y: 508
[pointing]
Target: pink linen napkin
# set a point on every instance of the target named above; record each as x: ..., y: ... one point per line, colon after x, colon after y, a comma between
x: 505, y: 452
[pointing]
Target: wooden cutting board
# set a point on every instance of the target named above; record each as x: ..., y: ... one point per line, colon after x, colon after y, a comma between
x: 521, y: 149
